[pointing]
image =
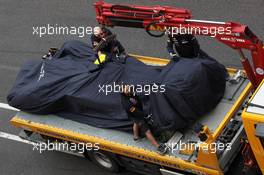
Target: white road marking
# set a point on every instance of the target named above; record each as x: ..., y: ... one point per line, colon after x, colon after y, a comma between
x: 6, y: 106
x: 19, y: 139
x: 15, y: 138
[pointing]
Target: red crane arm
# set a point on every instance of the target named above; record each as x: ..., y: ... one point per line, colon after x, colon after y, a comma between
x: 173, y: 20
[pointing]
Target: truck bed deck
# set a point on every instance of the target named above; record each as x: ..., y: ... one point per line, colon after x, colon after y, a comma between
x: 123, y: 145
x: 46, y: 123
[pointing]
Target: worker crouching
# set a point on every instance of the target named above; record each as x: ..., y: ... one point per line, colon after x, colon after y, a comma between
x: 184, y: 45
x: 105, y: 42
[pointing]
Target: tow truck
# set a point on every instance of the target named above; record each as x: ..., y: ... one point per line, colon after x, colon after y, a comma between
x: 238, y: 119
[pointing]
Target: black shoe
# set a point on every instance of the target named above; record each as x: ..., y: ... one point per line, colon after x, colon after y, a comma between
x: 136, y: 138
x: 162, y: 149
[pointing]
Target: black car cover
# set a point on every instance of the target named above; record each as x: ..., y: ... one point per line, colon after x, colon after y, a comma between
x: 193, y: 88
x: 68, y: 86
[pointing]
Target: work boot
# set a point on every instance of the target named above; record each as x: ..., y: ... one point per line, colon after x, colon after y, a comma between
x: 136, y: 138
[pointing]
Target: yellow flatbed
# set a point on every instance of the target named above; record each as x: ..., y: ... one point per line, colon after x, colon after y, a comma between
x: 122, y: 145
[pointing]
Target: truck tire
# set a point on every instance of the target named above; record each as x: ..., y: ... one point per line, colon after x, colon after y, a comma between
x: 104, y: 160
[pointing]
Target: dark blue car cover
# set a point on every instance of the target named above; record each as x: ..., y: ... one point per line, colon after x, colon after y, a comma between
x: 193, y: 88
x: 68, y: 86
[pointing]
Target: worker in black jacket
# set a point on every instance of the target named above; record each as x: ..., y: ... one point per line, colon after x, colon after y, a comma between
x: 113, y: 47
x: 183, y: 45
x: 134, y: 109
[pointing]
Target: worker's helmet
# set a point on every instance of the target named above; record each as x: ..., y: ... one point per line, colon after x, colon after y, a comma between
x: 97, y: 31
x: 187, y: 45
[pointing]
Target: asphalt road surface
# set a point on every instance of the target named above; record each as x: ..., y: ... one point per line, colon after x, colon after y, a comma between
x: 18, y: 44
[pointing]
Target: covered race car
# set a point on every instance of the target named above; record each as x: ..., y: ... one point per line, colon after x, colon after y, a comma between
x: 68, y: 86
